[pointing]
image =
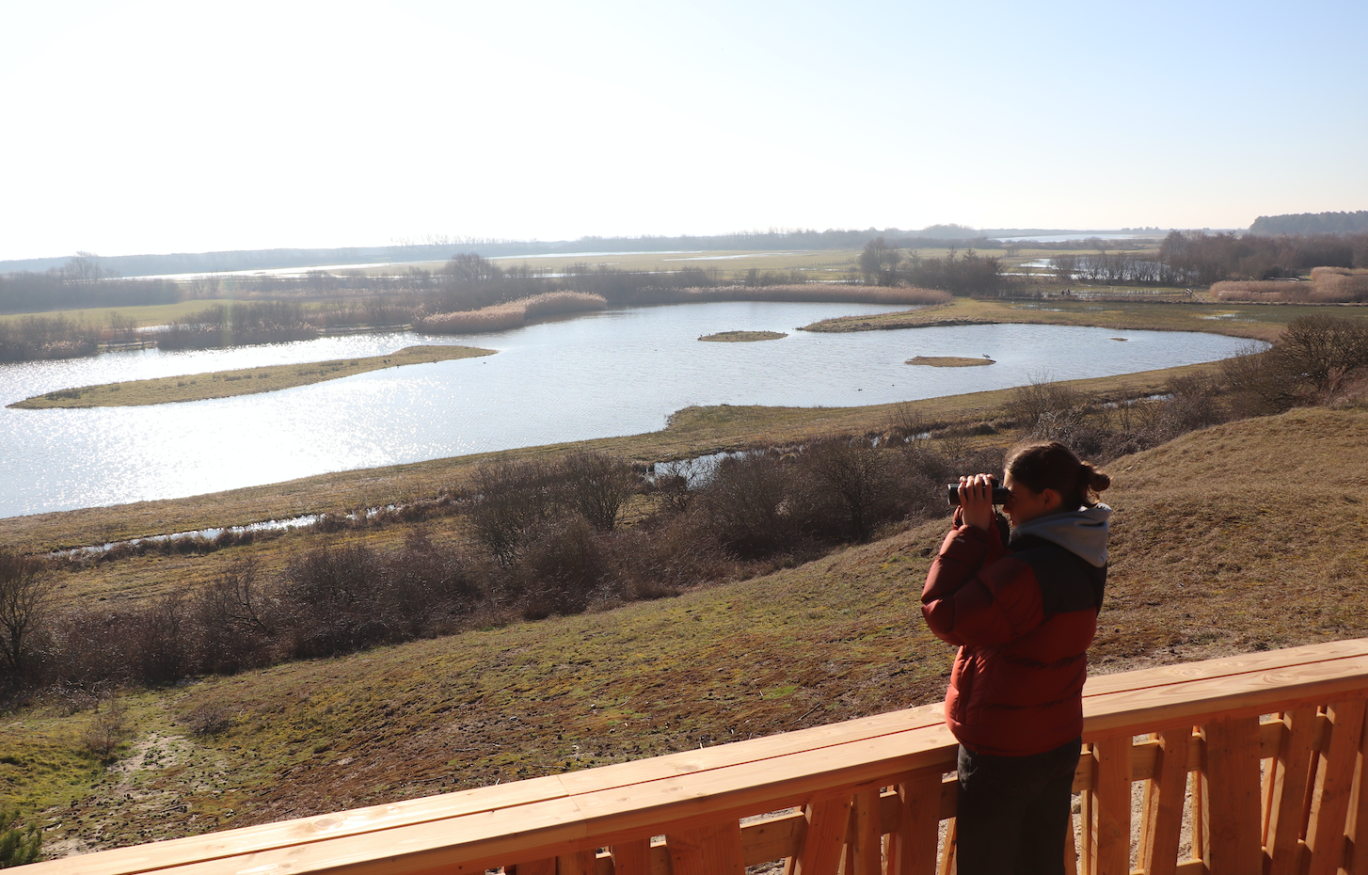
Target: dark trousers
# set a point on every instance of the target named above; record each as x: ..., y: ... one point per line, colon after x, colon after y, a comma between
x: 1013, y: 812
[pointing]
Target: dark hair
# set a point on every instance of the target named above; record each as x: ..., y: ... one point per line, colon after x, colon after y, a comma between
x: 1051, y: 465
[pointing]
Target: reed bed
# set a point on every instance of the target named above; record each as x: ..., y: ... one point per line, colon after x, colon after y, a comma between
x: 1328, y: 285
x: 511, y: 314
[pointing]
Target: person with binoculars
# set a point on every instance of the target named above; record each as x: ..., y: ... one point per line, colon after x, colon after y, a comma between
x: 1021, y: 604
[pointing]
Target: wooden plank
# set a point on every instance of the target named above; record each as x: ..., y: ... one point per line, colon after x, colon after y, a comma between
x: 827, y: 818
x: 1261, y: 662
x: 772, y: 838
x: 1111, y: 809
x: 947, y: 859
x: 864, y: 842
x: 1231, y: 796
x: 1283, y: 824
x: 709, y: 850
x: 1236, y: 695
x: 576, y: 863
x: 632, y: 857
x: 1357, y: 850
x: 913, y: 847
x: 1087, y: 803
x: 1162, y: 811
x: 544, y: 866
x: 1334, y: 781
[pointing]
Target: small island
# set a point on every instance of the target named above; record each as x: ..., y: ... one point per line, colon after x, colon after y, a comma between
x: 743, y: 336
x: 248, y: 381
x: 949, y: 361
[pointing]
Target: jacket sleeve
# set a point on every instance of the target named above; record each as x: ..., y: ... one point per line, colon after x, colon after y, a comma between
x: 976, y: 593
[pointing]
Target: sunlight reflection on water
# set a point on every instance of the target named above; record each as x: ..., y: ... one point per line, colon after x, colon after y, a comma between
x: 610, y: 373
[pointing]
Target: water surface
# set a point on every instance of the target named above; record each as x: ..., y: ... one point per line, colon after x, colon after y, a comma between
x: 614, y: 372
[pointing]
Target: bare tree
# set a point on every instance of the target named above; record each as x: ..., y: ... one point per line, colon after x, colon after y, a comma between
x: 24, y: 590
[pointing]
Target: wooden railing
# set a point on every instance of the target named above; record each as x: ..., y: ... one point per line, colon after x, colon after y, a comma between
x: 1258, y: 758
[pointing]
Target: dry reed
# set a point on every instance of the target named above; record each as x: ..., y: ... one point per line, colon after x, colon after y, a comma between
x: 512, y: 314
x: 1328, y: 285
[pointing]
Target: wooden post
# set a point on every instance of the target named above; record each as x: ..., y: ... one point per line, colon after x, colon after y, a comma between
x: 1357, y: 851
x: 1334, y: 781
x: 913, y: 847
x: 1111, y: 806
x: 1289, y: 771
x: 820, y: 853
x: 1231, y: 797
x: 1162, y: 813
x: 864, y: 848
x: 710, y: 850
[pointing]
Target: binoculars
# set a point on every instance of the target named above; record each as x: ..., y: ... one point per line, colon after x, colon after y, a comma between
x: 1000, y: 493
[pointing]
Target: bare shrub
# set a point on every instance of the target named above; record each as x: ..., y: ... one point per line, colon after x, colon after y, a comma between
x: 109, y: 727
x: 334, y: 590
x: 510, y: 499
x: 561, y: 568
x: 597, y: 486
x: 675, y: 485
x: 235, y: 620
x: 744, y: 503
x: 1043, y: 406
x: 158, y: 646
x: 209, y: 718
x: 851, y: 488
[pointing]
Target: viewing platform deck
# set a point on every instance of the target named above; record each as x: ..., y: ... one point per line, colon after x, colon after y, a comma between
x: 1254, y: 761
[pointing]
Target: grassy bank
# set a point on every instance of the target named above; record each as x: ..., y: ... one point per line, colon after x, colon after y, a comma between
x: 1256, y: 322
x: 1212, y: 553
x: 950, y: 361
x: 743, y: 336
x: 248, y: 381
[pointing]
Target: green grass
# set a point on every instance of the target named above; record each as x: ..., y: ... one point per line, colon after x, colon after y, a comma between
x: 152, y: 314
x: 247, y: 381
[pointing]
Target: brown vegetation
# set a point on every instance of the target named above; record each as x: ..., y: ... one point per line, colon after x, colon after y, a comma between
x: 1328, y: 285
x: 506, y: 316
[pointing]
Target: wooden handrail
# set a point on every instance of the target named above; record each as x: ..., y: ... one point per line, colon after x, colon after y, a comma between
x: 1259, y: 757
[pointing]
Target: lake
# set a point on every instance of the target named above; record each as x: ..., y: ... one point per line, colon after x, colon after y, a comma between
x: 614, y: 372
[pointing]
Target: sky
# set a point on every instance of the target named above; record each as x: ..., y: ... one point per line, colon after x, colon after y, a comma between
x: 154, y: 127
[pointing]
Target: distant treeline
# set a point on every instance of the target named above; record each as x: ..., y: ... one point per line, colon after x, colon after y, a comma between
x: 959, y: 273
x: 438, y: 248
x: 1312, y: 223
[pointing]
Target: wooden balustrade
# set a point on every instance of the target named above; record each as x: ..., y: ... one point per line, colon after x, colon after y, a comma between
x: 1258, y: 758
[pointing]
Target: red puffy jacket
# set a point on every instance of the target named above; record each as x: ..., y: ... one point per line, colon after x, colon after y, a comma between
x: 1023, y: 615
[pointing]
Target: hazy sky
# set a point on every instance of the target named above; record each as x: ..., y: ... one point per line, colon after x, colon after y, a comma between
x: 136, y: 127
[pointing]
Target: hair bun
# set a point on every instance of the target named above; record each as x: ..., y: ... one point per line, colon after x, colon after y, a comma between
x: 1097, y: 480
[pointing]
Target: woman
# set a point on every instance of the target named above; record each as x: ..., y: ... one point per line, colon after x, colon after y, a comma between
x: 1023, y: 609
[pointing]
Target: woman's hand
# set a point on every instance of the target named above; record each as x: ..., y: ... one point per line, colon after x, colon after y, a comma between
x: 976, y: 500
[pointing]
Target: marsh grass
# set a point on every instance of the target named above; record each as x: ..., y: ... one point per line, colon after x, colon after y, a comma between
x: 248, y: 381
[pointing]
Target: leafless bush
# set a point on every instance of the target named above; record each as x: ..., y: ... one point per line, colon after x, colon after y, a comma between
x: 158, y: 646
x: 597, y: 486
x: 1042, y: 406
x: 209, y: 718
x: 561, y: 568
x: 510, y: 499
x: 676, y: 484
x: 851, y: 488
x: 109, y: 727
x: 745, y: 504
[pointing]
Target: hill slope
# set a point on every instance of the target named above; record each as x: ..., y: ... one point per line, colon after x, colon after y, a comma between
x: 1242, y: 537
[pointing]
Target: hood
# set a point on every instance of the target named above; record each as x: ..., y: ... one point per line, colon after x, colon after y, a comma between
x: 1082, y: 532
